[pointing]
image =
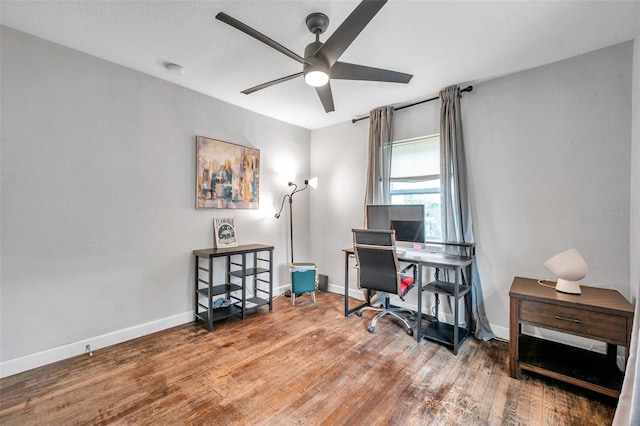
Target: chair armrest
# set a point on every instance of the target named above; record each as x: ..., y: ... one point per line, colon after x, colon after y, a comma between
x: 411, y: 266
x: 404, y: 290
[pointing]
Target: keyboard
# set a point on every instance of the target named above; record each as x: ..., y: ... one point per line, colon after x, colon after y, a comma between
x: 413, y: 254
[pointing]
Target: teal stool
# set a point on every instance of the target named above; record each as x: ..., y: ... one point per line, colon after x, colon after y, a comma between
x: 303, y: 280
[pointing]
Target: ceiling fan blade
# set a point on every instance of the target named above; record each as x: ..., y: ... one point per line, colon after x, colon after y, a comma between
x: 271, y: 83
x: 342, y: 37
x: 347, y: 71
x: 324, y: 92
x: 258, y: 36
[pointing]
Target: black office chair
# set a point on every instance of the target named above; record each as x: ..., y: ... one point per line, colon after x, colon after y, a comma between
x: 378, y: 269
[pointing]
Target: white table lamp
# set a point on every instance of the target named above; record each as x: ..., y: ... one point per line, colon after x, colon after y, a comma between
x: 570, y: 267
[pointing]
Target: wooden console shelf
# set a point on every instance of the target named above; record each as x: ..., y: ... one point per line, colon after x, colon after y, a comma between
x: 598, y: 314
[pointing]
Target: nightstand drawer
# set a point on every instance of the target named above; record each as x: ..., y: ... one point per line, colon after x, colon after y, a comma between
x: 596, y: 325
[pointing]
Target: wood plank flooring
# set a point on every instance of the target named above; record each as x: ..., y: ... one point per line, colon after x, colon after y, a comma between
x: 300, y: 365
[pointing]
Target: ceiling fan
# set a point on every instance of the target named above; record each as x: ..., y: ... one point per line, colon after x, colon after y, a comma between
x: 320, y: 62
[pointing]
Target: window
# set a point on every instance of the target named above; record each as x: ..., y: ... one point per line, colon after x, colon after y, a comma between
x: 415, y: 179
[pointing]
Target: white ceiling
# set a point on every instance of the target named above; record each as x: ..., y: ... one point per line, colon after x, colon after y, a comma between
x: 440, y: 43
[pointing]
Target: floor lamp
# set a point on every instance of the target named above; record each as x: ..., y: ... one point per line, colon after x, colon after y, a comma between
x: 307, y: 183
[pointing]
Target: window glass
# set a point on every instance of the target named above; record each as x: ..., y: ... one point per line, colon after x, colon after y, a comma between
x: 415, y: 179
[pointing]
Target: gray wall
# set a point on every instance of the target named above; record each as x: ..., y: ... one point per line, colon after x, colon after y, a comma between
x: 548, y: 153
x: 634, y: 213
x: 98, y: 220
x: 549, y: 166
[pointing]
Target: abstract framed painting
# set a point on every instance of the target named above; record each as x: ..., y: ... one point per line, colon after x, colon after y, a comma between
x: 227, y: 175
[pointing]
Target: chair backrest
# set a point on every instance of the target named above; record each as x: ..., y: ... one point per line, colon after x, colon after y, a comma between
x: 377, y: 260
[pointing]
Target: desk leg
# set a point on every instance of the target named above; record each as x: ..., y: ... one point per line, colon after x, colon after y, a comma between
x: 348, y: 311
x: 514, y: 332
x: 270, y: 280
x: 346, y: 284
x: 195, y: 306
x: 244, y: 286
x: 628, y: 345
x: 419, y: 314
x: 456, y: 315
x: 210, y: 297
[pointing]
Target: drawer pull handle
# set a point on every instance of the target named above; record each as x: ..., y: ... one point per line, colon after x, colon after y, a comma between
x: 577, y: 321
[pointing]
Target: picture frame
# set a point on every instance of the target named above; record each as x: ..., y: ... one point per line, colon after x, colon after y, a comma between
x: 224, y: 233
x: 227, y: 175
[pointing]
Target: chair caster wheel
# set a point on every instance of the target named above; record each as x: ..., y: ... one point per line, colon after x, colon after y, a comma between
x: 410, y: 332
x: 359, y: 314
x: 371, y: 329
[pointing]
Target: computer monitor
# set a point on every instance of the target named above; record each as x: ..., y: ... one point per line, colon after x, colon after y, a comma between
x: 380, y: 216
x: 408, y: 230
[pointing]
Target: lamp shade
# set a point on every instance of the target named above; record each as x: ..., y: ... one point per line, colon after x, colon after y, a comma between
x: 570, y: 267
x: 313, y: 182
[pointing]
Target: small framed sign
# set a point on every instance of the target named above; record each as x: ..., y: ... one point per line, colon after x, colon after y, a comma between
x: 224, y: 233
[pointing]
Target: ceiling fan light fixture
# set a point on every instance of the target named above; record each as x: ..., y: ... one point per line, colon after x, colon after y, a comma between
x: 316, y: 78
x: 174, y: 69
x: 320, y: 61
x: 315, y: 71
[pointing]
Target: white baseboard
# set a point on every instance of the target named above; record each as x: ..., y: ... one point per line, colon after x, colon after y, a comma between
x: 339, y: 289
x: 38, y: 359
x: 281, y: 289
x: 500, y: 332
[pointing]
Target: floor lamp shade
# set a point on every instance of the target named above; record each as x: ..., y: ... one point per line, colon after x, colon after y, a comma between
x: 313, y: 182
x: 570, y: 267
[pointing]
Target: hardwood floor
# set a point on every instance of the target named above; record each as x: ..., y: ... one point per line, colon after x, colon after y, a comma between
x: 302, y: 365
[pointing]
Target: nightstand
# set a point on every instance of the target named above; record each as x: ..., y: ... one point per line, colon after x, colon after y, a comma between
x: 598, y: 314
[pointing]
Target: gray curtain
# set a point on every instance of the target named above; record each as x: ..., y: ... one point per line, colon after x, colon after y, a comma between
x: 379, y: 164
x: 456, y: 209
x: 628, y: 410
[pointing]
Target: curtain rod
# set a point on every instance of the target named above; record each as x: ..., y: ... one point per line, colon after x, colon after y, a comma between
x: 466, y: 89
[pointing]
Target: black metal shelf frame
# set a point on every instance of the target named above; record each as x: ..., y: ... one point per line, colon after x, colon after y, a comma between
x: 452, y: 335
x: 236, y: 268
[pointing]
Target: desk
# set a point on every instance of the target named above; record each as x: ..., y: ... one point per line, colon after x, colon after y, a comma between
x: 448, y: 334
